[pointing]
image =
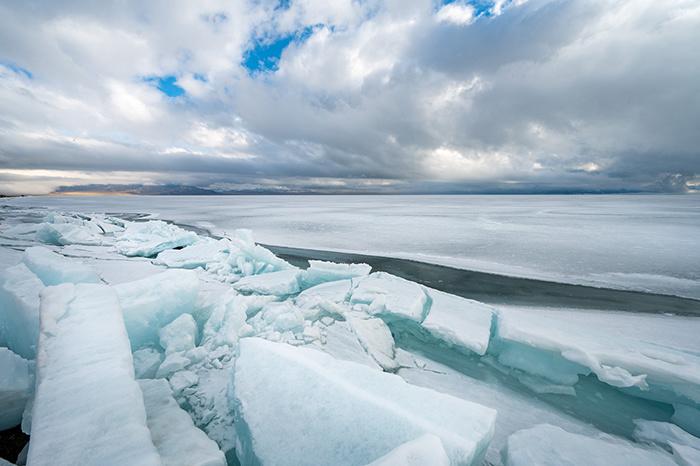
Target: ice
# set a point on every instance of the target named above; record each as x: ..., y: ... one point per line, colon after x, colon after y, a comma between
x: 684, y: 455
x: 688, y: 418
x: 178, y: 441
x: 146, y: 362
x: 334, y: 292
x: 61, y: 230
x: 459, y: 322
x: 147, y: 239
x: 199, y: 254
x: 391, y: 296
x: 426, y: 450
x: 16, y: 387
x: 19, y: 301
x: 280, y: 283
x: 179, y: 335
x: 646, y: 355
x: 182, y: 380
x: 664, y: 433
x: 547, y: 445
x: 226, y: 320
x: 54, y: 269
x: 151, y: 303
x: 87, y: 406
x: 321, y: 271
x: 328, y: 411
x: 375, y: 337
x: 172, y: 363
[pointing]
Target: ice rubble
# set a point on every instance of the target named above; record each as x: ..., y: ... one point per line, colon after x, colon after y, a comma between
x: 149, y: 238
x: 88, y: 408
x: 54, y: 269
x: 372, y: 412
x: 426, y: 450
x: 16, y: 386
x: 547, y: 445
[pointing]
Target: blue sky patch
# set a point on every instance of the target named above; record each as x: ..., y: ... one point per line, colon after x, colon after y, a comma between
x: 17, y: 69
x: 265, y: 54
x: 166, y: 84
x: 481, y: 7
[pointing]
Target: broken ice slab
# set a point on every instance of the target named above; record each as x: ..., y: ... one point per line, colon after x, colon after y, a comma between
x: 54, y: 269
x: 153, y: 302
x: 199, y: 254
x: 280, y: 283
x: 179, y: 335
x: 328, y: 411
x: 322, y: 271
x: 146, y: 362
x: 88, y: 408
x: 426, y: 450
x: 16, y: 387
x: 375, y: 337
x: 61, y: 230
x: 390, y: 297
x: 664, y: 434
x: 19, y: 301
x: 147, y: 239
x: 178, y: 441
x: 459, y: 322
x: 547, y: 445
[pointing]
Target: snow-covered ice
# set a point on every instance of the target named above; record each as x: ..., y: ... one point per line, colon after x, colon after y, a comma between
x: 425, y: 450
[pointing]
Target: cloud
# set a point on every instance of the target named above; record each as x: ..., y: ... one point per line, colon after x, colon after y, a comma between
x: 381, y: 95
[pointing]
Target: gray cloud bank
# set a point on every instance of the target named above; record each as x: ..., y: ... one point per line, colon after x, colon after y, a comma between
x: 378, y: 96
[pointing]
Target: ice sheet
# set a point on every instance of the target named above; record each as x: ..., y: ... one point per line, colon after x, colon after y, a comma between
x: 426, y: 450
x: 19, y: 302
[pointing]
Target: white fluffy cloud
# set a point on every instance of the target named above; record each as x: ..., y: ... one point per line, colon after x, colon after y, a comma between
x: 373, y: 95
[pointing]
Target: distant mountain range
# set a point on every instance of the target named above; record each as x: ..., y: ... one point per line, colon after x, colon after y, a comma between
x: 150, y: 190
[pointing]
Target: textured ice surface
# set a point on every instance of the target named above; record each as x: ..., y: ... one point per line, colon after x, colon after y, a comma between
x: 62, y: 230
x: 179, y: 335
x: 54, y: 269
x: 688, y: 418
x: 664, y: 433
x: 88, y: 408
x: 321, y: 271
x: 149, y: 238
x: 459, y: 322
x: 685, y: 455
x: 391, y: 296
x: 334, y: 412
x: 178, y: 441
x: 199, y: 254
x: 426, y: 450
x: 19, y: 310
x: 152, y: 303
x: 16, y: 386
x: 375, y: 337
x: 280, y: 283
x: 146, y: 362
x: 547, y: 445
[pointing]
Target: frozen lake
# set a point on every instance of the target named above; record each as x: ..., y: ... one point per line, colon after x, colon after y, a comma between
x: 641, y: 242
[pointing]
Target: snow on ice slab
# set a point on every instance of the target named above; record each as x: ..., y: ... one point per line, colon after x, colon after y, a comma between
x: 16, y: 386
x: 153, y: 302
x: 174, y: 434
x: 19, y: 318
x: 459, y: 322
x: 321, y: 272
x: 327, y: 411
x: 54, y: 269
x: 647, y: 355
x: 390, y: 296
x: 149, y: 238
x: 547, y: 445
x: 199, y: 254
x: 426, y: 450
x: 88, y: 409
x: 281, y: 283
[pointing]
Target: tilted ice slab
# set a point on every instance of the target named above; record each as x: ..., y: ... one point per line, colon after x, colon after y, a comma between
x: 16, y: 386
x: 328, y: 411
x: 390, y: 296
x: 685, y: 447
x: 280, y: 283
x: 61, y: 230
x: 149, y: 238
x: 174, y: 434
x: 547, y: 445
x: 322, y: 271
x: 54, y: 269
x: 652, y: 356
x: 88, y: 409
x: 426, y: 450
x: 199, y: 254
x: 375, y: 337
x: 19, y: 315
x: 152, y: 303
x: 459, y: 322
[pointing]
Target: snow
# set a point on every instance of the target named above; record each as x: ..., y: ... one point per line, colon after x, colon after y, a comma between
x: 280, y: 283
x: 19, y: 301
x: 16, y: 387
x: 53, y: 269
x: 459, y: 322
x: 426, y: 450
x: 87, y: 406
x: 388, y: 295
x: 179, y: 335
x: 334, y: 412
x: 147, y: 239
x: 547, y: 445
x: 178, y: 441
x: 152, y: 303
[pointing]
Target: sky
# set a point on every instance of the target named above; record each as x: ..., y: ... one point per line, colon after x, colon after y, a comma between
x: 351, y: 95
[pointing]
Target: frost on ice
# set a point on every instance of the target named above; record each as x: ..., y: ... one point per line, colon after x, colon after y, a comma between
x: 211, y: 351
